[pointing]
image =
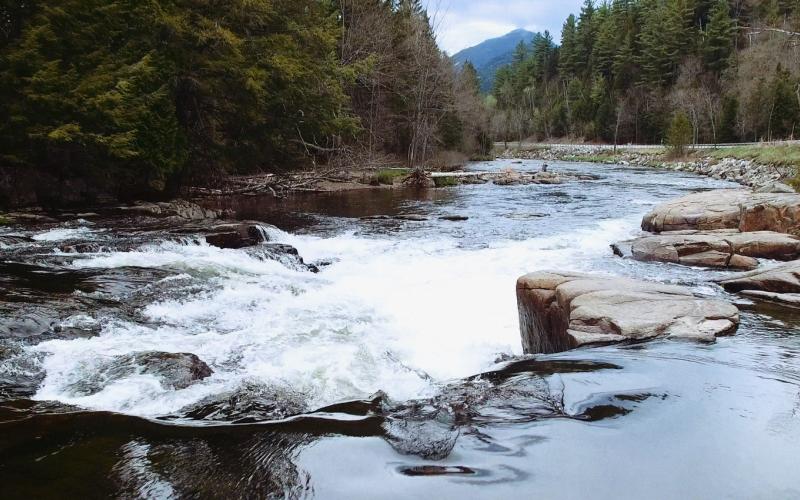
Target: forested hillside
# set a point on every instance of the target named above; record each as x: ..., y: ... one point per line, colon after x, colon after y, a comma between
x: 140, y: 96
x: 626, y: 68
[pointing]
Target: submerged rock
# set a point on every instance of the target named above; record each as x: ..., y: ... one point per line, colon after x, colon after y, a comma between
x: 720, y: 249
x: 249, y: 403
x: 429, y: 439
x: 727, y: 209
x: 562, y: 311
x: 287, y: 255
x: 20, y: 371
x: 174, y: 370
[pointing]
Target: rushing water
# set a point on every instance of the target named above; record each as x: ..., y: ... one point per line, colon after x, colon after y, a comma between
x: 393, y: 372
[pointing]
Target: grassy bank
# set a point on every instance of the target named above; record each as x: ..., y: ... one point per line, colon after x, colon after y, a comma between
x: 779, y: 155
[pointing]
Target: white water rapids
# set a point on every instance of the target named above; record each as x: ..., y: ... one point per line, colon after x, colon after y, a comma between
x: 392, y: 315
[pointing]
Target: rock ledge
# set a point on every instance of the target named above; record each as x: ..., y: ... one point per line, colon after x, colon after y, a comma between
x: 562, y: 311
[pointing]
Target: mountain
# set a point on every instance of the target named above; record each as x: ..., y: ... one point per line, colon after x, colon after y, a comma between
x: 489, y: 56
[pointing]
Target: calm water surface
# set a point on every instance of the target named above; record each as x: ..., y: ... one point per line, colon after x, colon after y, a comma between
x: 394, y: 372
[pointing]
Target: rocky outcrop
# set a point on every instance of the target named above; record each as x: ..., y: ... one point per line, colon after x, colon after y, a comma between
x: 719, y: 249
x: 727, y: 209
x: 784, y: 278
x: 174, y: 370
x: 780, y: 284
x: 514, y: 178
x: 561, y: 311
x: 238, y: 235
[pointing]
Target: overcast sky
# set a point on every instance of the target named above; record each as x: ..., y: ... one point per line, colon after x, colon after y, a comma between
x: 464, y: 23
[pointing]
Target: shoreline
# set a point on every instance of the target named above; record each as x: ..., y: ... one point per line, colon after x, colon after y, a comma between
x: 715, y: 163
x: 745, y: 172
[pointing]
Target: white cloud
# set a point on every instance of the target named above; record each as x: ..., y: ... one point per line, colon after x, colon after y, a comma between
x: 464, y: 23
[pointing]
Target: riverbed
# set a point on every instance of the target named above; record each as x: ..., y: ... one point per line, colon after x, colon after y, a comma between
x: 395, y: 371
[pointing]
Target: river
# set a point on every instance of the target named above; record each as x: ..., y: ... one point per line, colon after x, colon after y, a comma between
x: 393, y: 372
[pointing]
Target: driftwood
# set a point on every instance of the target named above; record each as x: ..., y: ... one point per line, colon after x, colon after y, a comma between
x: 277, y: 185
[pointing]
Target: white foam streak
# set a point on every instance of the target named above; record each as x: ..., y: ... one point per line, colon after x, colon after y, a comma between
x: 62, y: 234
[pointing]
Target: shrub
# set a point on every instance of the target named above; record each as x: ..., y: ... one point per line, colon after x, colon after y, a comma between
x: 679, y: 134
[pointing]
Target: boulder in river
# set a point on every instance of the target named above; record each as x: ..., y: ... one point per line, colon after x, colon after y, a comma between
x: 234, y: 236
x: 721, y: 249
x: 562, y: 311
x: 174, y: 371
x: 739, y: 209
x: 287, y: 255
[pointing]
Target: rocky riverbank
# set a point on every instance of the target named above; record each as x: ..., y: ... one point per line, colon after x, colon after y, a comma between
x: 745, y: 172
x: 733, y: 229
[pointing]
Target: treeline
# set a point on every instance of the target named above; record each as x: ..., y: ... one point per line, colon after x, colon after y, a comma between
x: 143, y: 95
x: 626, y: 69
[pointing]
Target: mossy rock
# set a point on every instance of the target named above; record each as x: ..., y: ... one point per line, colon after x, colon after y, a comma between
x: 445, y: 181
x: 388, y: 176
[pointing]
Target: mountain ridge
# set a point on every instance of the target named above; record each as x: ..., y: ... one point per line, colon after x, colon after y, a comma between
x: 492, y: 54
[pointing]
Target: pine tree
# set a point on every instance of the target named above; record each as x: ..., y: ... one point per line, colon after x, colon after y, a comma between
x: 718, y: 43
x: 679, y: 134
x: 727, y: 125
x: 784, y: 112
x: 142, y: 90
x: 568, y: 53
x: 585, y: 36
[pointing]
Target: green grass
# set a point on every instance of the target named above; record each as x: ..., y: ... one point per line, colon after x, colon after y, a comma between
x: 4, y: 221
x: 388, y: 175
x: 445, y: 181
x: 781, y: 156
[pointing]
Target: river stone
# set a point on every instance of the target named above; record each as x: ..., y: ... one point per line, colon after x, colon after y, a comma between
x: 727, y: 209
x: 234, y: 236
x: 720, y: 249
x: 562, y: 311
x: 287, y: 255
x: 174, y: 371
x: 181, y: 209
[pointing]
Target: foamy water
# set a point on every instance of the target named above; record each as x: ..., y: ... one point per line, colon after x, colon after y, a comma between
x: 401, y: 313
x: 394, y: 315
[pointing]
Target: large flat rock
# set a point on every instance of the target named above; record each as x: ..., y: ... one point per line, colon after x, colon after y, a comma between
x: 727, y: 249
x: 562, y: 311
x: 739, y: 209
x: 784, y: 278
